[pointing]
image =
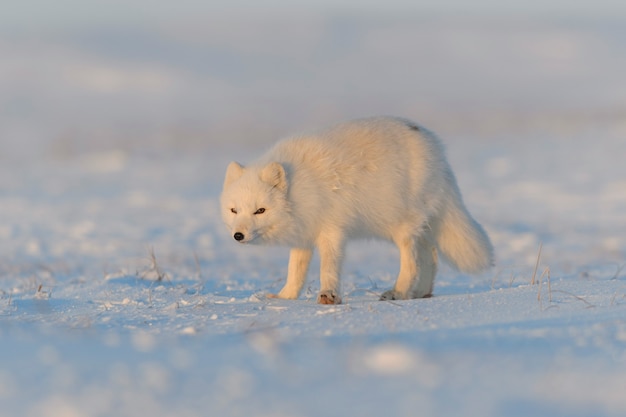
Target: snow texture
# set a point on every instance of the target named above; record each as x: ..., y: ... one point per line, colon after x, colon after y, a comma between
x: 122, y: 294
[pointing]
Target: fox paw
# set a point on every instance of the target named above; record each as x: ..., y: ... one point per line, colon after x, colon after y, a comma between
x: 283, y: 295
x: 395, y: 295
x: 391, y: 295
x: 328, y: 297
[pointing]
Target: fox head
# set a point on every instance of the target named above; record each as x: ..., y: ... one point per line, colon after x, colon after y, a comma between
x: 254, y: 202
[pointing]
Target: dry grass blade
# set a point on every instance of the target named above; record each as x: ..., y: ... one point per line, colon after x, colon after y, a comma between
x: 532, y: 281
x: 549, y: 285
x: 197, y: 262
x: 154, y: 272
x: 619, y: 271
x: 578, y: 297
x: 545, y: 273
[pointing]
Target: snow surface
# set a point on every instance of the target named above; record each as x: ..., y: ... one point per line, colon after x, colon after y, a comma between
x: 122, y: 294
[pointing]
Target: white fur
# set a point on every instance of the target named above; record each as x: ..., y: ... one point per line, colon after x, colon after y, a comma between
x: 377, y: 177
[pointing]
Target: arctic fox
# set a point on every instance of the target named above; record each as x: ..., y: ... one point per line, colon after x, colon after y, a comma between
x: 379, y: 177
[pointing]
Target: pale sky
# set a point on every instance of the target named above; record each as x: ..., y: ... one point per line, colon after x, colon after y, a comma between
x: 70, y: 12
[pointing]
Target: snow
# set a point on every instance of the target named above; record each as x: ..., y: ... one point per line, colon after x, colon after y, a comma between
x: 122, y: 294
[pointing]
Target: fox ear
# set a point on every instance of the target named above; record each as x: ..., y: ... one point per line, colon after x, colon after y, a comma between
x: 233, y: 172
x: 274, y: 175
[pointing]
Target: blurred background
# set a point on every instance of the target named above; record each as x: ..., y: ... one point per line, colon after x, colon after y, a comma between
x: 134, y: 76
x: 116, y: 117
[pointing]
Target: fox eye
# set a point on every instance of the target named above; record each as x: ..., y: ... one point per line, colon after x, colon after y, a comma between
x: 232, y: 210
x: 260, y: 211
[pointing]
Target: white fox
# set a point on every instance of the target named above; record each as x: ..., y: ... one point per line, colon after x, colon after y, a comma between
x: 377, y: 177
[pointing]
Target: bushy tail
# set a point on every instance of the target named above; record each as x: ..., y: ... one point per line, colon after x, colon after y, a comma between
x: 461, y: 240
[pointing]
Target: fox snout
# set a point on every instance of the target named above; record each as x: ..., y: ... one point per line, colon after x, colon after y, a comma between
x: 239, y: 236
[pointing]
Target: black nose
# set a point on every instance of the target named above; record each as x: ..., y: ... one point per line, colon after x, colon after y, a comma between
x: 238, y: 236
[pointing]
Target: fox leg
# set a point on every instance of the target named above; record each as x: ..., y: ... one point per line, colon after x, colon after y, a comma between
x: 418, y: 267
x: 405, y: 240
x: 330, y: 246
x: 427, y: 266
x: 299, y: 260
